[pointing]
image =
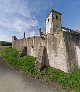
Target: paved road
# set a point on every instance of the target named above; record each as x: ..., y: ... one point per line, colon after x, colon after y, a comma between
x: 13, y: 81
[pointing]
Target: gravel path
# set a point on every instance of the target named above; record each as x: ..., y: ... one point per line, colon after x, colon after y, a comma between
x: 13, y: 81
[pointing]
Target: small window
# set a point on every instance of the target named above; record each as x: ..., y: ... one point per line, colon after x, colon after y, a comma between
x: 56, y: 17
x: 48, y: 20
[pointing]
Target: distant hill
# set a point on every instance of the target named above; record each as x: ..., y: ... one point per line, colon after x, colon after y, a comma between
x: 4, y: 43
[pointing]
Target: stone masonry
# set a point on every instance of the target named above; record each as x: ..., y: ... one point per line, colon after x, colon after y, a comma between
x: 59, y: 49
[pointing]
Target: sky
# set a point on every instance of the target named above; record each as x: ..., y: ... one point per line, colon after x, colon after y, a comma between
x: 19, y: 16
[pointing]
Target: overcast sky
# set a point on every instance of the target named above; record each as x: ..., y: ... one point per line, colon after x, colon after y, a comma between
x: 19, y: 16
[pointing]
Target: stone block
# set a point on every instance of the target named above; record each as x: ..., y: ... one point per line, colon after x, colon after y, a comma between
x: 24, y: 51
x: 41, y: 57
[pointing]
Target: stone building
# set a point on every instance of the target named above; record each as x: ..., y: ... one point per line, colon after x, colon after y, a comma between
x: 58, y: 47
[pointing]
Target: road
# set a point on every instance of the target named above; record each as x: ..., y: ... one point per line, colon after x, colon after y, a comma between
x: 13, y: 81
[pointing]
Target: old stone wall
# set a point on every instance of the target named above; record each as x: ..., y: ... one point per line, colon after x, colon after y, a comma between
x: 56, y: 51
x: 62, y: 49
x: 32, y: 45
x: 41, y: 57
x: 37, y: 42
x: 19, y: 44
x: 73, y: 50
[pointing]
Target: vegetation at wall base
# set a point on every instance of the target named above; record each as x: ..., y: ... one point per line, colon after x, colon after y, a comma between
x: 70, y: 81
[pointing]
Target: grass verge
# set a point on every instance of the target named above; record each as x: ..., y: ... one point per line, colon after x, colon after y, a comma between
x: 27, y: 65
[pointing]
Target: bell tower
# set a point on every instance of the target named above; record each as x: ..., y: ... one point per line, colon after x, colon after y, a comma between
x: 53, y: 22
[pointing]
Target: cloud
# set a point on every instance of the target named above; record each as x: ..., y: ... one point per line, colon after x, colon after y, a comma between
x: 4, y: 37
x: 21, y: 25
x: 15, y: 16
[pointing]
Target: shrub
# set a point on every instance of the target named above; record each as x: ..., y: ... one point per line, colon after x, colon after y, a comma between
x: 4, y: 43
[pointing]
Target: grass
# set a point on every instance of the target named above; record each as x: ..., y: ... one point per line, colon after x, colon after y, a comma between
x: 70, y: 81
x: 2, y: 48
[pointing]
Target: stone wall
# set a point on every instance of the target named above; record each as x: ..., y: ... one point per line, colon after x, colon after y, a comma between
x: 62, y: 49
x: 32, y: 45
x: 41, y: 57
x: 56, y: 51
x: 73, y: 50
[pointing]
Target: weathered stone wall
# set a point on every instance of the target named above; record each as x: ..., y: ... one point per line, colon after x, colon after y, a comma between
x: 56, y: 51
x: 78, y: 55
x: 19, y: 44
x: 37, y: 42
x: 32, y: 45
x: 62, y: 49
x: 41, y: 57
x: 73, y: 50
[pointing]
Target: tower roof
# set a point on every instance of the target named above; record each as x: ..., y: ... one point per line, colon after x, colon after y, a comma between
x: 56, y: 12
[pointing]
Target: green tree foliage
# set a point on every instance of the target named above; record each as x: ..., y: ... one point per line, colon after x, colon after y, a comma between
x: 4, y: 43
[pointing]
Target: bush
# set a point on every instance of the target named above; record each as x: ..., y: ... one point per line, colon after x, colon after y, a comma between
x: 4, y: 43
